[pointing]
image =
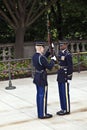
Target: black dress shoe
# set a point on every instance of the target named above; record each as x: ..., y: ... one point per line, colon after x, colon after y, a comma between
x: 62, y: 112
x: 49, y: 115
x: 46, y: 116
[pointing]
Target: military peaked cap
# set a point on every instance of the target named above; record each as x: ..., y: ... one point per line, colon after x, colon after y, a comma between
x: 40, y: 43
x: 63, y: 42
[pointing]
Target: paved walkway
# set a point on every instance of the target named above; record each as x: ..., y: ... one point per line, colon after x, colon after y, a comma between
x: 18, y: 106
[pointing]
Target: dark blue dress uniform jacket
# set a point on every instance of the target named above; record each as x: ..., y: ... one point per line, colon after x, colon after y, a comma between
x: 66, y: 66
x: 41, y: 64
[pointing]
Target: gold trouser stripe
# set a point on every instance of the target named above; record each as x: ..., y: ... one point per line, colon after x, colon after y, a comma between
x: 45, y: 99
x: 67, y: 98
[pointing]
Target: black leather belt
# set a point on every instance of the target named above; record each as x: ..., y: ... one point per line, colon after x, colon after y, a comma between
x: 62, y: 67
x: 39, y: 71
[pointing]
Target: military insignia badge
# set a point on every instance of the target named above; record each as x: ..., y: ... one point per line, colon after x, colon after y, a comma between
x: 62, y: 57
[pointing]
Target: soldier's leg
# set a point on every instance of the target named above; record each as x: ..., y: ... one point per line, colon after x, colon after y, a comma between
x: 47, y: 115
x: 45, y: 98
x: 40, y: 101
x: 64, y: 98
x: 62, y: 95
x: 67, y: 97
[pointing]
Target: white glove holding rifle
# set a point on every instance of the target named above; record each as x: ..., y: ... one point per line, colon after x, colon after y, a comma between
x: 52, y: 46
x: 54, y: 58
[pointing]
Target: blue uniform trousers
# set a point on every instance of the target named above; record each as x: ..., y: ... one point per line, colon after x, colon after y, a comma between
x: 64, y: 96
x: 41, y: 100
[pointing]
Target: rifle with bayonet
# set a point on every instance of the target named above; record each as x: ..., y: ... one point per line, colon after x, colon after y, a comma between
x: 50, y: 43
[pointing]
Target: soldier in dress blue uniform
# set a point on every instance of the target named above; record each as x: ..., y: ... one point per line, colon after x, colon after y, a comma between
x: 64, y: 75
x: 40, y: 78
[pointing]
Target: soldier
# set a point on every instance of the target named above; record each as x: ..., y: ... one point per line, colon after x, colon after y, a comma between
x: 64, y: 75
x: 40, y: 78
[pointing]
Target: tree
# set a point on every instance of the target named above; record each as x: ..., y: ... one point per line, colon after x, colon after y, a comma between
x: 20, y: 15
x: 74, y: 19
x: 69, y: 17
x: 57, y: 13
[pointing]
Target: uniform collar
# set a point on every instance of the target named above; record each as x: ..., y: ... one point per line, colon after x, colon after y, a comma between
x: 63, y: 50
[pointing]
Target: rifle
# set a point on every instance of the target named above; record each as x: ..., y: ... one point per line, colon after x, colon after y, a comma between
x: 51, y: 46
x: 50, y: 43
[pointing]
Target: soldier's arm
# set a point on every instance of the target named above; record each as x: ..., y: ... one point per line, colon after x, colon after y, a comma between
x: 46, y: 64
x: 69, y: 66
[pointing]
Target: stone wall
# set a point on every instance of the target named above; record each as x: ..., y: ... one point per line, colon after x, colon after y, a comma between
x: 6, y: 50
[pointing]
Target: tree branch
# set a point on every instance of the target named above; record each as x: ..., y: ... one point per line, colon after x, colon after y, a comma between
x: 14, y: 7
x: 27, y: 3
x: 10, y: 11
x: 7, y: 19
x: 40, y: 13
x: 30, y: 11
x: 21, y: 6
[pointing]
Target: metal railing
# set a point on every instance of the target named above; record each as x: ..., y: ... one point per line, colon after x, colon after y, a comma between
x: 7, y: 50
x: 9, y: 70
x: 79, y: 61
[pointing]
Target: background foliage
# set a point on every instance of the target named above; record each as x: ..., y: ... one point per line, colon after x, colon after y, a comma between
x: 74, y: 23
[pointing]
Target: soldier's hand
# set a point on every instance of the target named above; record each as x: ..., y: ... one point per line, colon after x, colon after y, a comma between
x: 52, y: 45
x: 54, y: 58
x: 69, y: 77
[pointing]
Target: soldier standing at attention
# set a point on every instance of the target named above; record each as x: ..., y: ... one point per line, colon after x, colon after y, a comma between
x: 64, y: 75
x: 40, y: 78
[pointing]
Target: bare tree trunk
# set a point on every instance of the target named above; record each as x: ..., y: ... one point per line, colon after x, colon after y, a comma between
x: 19, y: 43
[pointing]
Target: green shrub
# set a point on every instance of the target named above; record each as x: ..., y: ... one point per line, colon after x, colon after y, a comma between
x: 17, y: 69
x: 22, y: 69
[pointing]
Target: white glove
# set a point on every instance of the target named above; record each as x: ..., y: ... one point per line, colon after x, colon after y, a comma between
x: 52, y: 45
x: 53, y: 58
x: 69, y: 81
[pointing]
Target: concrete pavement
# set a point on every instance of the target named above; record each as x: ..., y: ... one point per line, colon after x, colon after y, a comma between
x: 18, y: 106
